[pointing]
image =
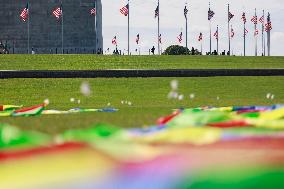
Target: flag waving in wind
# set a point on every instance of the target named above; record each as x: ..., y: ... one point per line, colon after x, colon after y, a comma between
x: 185, y: 11
x: 244, y: 18
x: 232, y: 33
x: 256, y: 32
x: 137, y: 39
x: 114, y: 42
x: 125, y: 10
x: 261, y: 19
x: 200, y: 38
x: 246, y: 31
x: 57, y: 12
x: 216, y: 34
x: 93, y: 11
x: 25, y: 13
x: 268, y: 25
x: 157, y: 12
x: 254, y: 20
x: 230, y: 16
x: 180, y: 37
x: 210, y: 14
x: 160, y: 38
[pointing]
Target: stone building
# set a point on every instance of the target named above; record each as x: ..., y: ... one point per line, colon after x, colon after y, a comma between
x: 46, y: 31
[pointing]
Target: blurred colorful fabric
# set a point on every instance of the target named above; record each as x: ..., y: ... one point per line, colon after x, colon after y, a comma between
x: 206, y: 147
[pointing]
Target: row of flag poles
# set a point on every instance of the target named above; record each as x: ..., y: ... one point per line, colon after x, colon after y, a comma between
x: 58, y: 14
x: 125, y: 11
x: 266, y: 27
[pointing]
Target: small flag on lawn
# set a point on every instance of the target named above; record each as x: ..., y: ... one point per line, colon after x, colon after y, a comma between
x: 125, y: 10
x: 25, y: 13
x: 31, y: 111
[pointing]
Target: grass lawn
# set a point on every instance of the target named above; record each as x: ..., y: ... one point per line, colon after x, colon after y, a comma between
x: 148, y: 97
x: 92, y: 62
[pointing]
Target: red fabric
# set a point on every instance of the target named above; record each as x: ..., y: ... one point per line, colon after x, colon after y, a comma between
x: 40, y: 151
x: 228, y: 124
x: 165, y: 120
x: 29, y: 108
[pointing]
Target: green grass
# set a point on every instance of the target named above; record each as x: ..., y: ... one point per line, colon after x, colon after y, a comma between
x: 148, y: 96
x: 93, y: 62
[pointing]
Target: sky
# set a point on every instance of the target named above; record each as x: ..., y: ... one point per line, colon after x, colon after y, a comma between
x: 172, y: 22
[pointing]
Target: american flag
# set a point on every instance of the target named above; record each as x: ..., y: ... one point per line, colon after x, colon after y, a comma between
x: 244, y: 18
x: 114, y: 42
x: 216, y: 34
x: 200, y: 38
x: 25, y: 13
x: 254, y: 20
x: 157, y: 12
x: 256, y: 32
x: 179, y: 37
x: 125, y: 10
x: 93, y: 11
x: 160, y: 38
x: 185, y: 11
x: 210, y: 14
x: 137, y: 38
x: 230, y: 16
x: 57, y: 12
x: 232, y: 33
x: 261, y: 20
x: 246, y: 31
x: 268, y: 25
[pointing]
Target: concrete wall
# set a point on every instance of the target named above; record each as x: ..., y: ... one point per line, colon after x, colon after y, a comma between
x: 45, y: 30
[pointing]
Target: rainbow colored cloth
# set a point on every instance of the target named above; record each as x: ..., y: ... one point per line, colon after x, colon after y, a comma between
x: 208, y: 147
x: 16, y: 111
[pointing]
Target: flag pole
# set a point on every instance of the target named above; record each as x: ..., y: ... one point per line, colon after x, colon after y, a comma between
x: 264, y: 39
x: 210, y: 33
x: 229, y: 36
x: 62, y: 28
x: 231, y: 40
x: 217, y: 40
x: 262, y: 32
x: 186, y: 22
x: 268, y: 36
x: 158, y: 27
x: 96, y: 38
x: 128, y: 28
x: 244, y: 38
x: 255, y: 36
x: 28, y: 27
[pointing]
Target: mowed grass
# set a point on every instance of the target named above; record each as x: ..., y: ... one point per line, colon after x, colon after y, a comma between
x: 95, y: 62
x: 148, y: 97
